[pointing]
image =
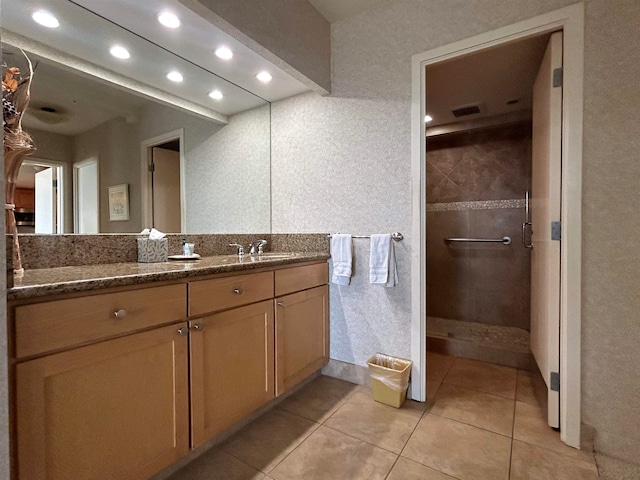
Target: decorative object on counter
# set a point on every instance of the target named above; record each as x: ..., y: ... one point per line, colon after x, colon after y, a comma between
x: 119, y: 202
x: 342, y: 255
x: 187, y: 252
x: 17, y: 143
x: 153, y: 246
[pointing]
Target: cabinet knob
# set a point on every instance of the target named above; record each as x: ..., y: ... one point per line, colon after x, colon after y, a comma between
x: 198, y: 327
x: 237, y: 291
x: 120, y: 314
x: 280, y: 303
x: 184, y: 331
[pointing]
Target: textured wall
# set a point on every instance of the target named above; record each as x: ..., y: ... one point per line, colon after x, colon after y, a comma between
x: 343, y: 164
x: 227, y: 167
x: 291, y: 30
x: 611, y: 298
x: 228, y: 189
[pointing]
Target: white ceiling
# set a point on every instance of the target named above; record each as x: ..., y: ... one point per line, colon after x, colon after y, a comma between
x: 491, y: 78
x: 84, y: 35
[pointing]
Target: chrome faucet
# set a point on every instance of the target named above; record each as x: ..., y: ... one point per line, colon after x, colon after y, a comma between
x: 257, y: 244
x: 239, y: 247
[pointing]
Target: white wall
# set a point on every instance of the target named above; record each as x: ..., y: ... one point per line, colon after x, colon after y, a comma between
x: 343, y: 163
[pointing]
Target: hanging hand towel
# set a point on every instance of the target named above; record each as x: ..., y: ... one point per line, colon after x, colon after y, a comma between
x: 341, y: 256
x: 382, y: 263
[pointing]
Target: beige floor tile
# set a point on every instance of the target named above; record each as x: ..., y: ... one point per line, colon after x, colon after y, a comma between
x: 531, y: 426
x: 384, y: 426
x: 463, y: 451
x: 331, y: 455
x: 529, y: 462
x: 406, y: 469
x: 476, y: 408
x: 266, y: 441
x: 432, y: 389
x: 438, y: 365
x: 486, y: 377
x: 530, y: 388
x: 217, y: 465
x: 320, y: 399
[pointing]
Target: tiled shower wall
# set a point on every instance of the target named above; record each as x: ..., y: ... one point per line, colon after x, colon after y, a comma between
x: 476, y: 183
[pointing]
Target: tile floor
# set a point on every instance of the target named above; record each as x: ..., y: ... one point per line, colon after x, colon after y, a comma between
x: 481, y: 421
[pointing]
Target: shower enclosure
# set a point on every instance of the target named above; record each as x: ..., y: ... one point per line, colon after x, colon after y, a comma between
x: 478, y: 293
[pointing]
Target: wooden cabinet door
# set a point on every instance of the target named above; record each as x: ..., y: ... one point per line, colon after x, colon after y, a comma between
x: 116, y: 409
x: 231, y: 367
x: 302, y: 336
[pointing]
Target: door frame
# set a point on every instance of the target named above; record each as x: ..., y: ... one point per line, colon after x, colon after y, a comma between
x: 145, y: 180
x: 571, y: 21
x: 61, y: 177
x: 76, y: 166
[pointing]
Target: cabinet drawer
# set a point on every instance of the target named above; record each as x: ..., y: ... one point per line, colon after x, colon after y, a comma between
x: 55, y: 325
x: 221, y: 293
x: 301, y: 278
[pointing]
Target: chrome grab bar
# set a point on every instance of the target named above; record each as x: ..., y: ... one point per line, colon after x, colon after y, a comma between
x: 503, y: 240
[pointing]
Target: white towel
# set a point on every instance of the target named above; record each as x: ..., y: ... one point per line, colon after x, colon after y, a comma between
x: 341, y: 256
x: 382, y: 263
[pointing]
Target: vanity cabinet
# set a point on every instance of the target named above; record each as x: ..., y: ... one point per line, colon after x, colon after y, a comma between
x: 302, y: 323
x: 231, y: 367
x: 114, y: 409
x: 122, y: 384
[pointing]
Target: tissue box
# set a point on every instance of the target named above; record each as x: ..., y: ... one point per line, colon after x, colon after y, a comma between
x: 150, y: 251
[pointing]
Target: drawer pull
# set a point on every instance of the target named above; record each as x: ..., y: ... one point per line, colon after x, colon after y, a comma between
x: 237, y: 291
x: 120, y: 314
x: 184, y: 331
x: 280, y: 303
x: 198, y: 327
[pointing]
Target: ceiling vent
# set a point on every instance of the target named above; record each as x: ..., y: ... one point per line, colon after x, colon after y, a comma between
x: 464, y: 110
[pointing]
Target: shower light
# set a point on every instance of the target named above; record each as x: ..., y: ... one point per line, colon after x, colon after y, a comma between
x: 45, y: 19
x: 216, y: 95
x: 264, y: 77
x: 119, y: 52
x: 169, y: 20
x: 175, y: 76
x: 224, y: 53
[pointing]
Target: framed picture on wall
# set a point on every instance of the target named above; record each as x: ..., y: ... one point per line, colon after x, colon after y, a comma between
x: 119, y: 202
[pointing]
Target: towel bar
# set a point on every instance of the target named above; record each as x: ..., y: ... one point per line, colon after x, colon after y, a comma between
x: 397, y: 236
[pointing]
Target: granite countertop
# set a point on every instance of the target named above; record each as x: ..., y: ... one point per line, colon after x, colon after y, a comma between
x: 50, y: 281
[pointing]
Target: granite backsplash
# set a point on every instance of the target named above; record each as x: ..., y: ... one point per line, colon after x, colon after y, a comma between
x: 50, y: 251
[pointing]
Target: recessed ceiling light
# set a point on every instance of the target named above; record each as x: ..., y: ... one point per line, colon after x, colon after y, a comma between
x: 264, y: 77
x: 224, y: 53
x: 45, y: 19
x: 169, y: 20
x: 216, y: 95
x: 119, y: 52
x: 428, y: 118
x: 175, y: 76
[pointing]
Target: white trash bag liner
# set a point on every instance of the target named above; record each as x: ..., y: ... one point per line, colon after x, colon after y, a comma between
x: 391, y: 371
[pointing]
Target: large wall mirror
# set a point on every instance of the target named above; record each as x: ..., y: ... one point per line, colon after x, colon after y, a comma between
x: 120, y: 147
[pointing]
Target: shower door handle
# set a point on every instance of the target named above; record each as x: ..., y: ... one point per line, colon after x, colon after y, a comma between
x: 524, y: 235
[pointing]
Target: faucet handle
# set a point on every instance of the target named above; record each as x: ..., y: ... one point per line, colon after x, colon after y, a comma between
x: 261, y: 243
x: 239, y: 247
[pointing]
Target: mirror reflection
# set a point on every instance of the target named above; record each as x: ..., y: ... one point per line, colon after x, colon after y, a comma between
x: 111, y: 160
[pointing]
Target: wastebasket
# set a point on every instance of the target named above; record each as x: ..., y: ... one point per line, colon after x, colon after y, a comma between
x: 389, y: 378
